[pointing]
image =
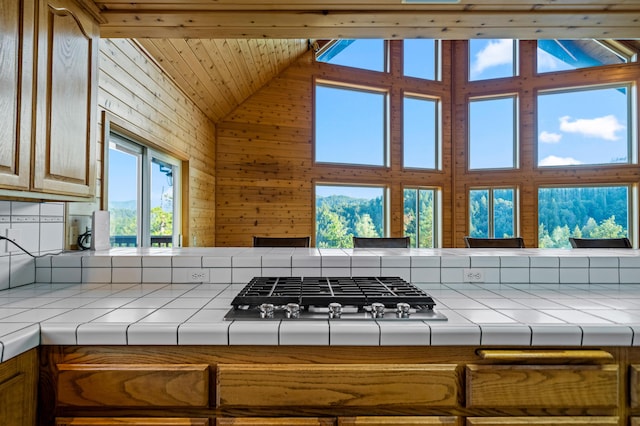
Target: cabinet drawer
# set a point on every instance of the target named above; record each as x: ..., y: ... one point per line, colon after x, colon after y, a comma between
x: 542, y: 386
x: 344, y: 385
x: 547, y: 421
x: 275, y: 421
x: 399, y: 420
x: 634, y: 385
x: 142, y: 385
x: 129, y: 421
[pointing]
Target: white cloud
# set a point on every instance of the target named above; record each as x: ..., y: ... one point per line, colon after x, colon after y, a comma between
x: 552, y: 160
x: 548, y: 62
x: 548, y: 137
x: 600, y: 127
x: 498, y: 52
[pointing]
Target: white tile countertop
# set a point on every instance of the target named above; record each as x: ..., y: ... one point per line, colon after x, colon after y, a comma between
x: 527, y: 297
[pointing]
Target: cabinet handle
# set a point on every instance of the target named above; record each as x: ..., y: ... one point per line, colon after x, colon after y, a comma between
x: 544, y: 354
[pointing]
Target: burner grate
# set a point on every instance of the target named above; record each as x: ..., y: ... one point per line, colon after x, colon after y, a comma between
x: 321, y: 291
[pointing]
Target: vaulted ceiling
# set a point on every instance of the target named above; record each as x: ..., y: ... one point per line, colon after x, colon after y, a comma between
x: 221, y: 51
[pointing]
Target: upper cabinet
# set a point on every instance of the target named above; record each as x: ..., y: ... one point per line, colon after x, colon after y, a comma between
x: 56, y: 51
x: 16, y: 77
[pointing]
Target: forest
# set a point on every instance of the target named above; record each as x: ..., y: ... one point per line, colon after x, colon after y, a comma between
x: 591, y: 212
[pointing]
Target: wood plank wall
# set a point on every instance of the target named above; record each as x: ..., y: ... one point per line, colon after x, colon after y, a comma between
x: 265, y: 172
x: 137, y: 97
x: 264, y: 155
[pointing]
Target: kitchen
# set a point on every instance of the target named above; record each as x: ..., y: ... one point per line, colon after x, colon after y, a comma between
x: 210, y: 184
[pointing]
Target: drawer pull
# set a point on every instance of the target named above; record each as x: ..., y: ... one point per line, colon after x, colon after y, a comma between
x: 547, y: 354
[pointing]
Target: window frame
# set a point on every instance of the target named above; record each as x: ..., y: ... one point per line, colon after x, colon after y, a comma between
x: 631, y: 134
x: 516, y: 130
x: 145, y: 155
x: 386, y: 148
x: 437, y: 130
x: 490, y: 208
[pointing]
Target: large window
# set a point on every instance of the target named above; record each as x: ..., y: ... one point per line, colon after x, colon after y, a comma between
x: 350, y: 126
x: 367, y: 54
x: 586, y: 126
x: 419, y: 217
x: 143, y: 195
x: 420, y: 132
x: 492, y: 58
x: 344, y: 212
x: 492, y: 213
x: 493, y: 133
x: 582, y: 212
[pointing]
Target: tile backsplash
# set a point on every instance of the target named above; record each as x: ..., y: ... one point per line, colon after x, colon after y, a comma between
x: 41, y: 231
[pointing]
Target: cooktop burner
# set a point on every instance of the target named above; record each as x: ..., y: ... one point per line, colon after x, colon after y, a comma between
x: 380, y: 298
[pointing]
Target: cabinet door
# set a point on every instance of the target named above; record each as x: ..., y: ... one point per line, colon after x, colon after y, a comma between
x: 129, y: 421
x: 16, y: 74
x: 542, y: 386
x: 66, y: 102
x: 546, y: 421
x: 368, y: 386
x: 399, y: 421
x: 18, y: 378
x: 274, y: 421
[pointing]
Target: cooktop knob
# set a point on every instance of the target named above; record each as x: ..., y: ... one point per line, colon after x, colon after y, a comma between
x: 377, y: 310
x: 335, y: 310
x: 292, y: 310
x: 267, y: 310
x: 402, y: 310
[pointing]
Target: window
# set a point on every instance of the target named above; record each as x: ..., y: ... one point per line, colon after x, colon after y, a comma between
x: 561, y: 55
x: 350, y: 126
x: 585, y: 126
x: 419, y: 217
x: 492, y: 213
x: 581, y: 212
x: 492, y: 133
x: 421, y: 58
x: 143, y: 195
x: 492, y: 58
x: 368, y: 54
x: 420, y: 132
x: 343, y: 212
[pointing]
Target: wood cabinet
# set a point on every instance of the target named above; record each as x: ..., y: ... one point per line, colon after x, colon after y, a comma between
x: 130, y: 421
x: 339, y: 386
x: 18, y: 385
x: 16, y: 79
x: 52, y: 46
x: 344, y: 385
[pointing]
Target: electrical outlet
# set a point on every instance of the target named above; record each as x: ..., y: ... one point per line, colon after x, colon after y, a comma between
x: 473, y: 275
x: 198, y: 275
x: 14, y: 235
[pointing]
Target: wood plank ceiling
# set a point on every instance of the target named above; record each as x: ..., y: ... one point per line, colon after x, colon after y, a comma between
x: 221, y: 51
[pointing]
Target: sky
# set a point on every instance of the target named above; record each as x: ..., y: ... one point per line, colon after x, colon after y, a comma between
x: 574, y: 127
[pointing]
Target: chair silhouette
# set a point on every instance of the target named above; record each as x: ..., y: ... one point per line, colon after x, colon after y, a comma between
x: 384, y: 242
x: 281, y: 241
x: 515, y: 242
x: 600, y: 242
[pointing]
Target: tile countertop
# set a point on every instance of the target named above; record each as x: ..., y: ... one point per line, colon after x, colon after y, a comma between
x: 529, y: 297
x: 192, y: 314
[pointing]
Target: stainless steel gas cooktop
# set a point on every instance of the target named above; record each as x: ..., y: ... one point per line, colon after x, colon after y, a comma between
x: 332, y: 298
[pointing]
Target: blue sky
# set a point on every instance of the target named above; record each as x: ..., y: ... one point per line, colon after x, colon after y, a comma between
x: 574, y: 126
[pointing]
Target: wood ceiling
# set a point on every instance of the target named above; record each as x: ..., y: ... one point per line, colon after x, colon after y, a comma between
x: 221, y: 51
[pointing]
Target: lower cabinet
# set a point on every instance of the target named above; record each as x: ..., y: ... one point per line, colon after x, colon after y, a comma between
x: 547, y: 421
x: 18, y: 385
x: 350, y: 386
x: 130, y: 421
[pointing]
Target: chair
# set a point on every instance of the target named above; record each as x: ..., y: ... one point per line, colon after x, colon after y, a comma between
x: 281, y: 241
x: 385, y: 242
x: 515, y: 242
x: 600, y: 242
